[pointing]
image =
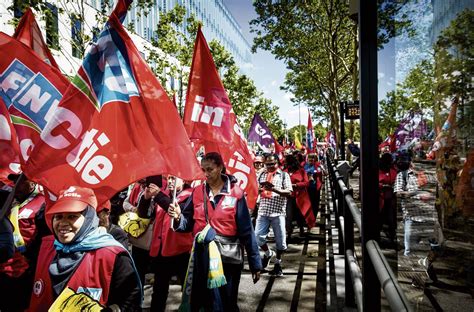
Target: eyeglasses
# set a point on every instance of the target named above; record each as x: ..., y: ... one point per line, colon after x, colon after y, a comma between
x: 270, y: 164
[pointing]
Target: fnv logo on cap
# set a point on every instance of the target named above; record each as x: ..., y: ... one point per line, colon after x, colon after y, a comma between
x: 70, y: 192
x: 72, y: 199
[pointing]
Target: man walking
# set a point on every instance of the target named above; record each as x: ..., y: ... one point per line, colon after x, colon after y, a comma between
x: 274, y: 188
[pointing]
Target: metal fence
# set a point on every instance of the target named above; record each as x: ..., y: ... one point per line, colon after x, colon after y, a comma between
x: 347, y: 214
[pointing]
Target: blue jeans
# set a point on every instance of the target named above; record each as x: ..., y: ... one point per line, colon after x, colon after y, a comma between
x: 263, y: 227
x: 407, y: 236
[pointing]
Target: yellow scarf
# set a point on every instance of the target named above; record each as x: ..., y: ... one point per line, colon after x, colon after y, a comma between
x: 17, y: 238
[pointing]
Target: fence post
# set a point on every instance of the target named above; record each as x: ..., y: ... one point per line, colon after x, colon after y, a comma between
x: 340, y: 212
x: 349, y: 245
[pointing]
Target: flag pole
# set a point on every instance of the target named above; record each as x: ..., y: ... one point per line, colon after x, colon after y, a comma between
x: 299, y: 121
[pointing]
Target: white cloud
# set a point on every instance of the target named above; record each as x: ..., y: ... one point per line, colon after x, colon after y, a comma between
x: 381, y: 75
x: 274, y: 83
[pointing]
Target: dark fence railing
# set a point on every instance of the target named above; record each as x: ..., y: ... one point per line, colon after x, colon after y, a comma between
x: 347, y: 214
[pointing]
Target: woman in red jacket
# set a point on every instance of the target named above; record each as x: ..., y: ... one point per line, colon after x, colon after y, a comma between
x: 299, y: 203
x: 83, y: 258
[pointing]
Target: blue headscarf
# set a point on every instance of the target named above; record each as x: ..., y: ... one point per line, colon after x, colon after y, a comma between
x: 69, y: 256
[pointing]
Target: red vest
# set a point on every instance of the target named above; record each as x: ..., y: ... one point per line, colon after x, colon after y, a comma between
x: 222, y: 218
x: 17, y: 265
x: 170, y: 242
x: 94, y: 273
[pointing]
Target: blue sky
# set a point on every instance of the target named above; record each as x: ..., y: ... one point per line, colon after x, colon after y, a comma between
x: 267, y: 72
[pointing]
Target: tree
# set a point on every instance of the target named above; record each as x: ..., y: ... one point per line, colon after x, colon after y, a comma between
x: 454, y: 68
x: 416, y: 93
x: 314, y: 39
x: 178, y: 45
x: 318, y: 42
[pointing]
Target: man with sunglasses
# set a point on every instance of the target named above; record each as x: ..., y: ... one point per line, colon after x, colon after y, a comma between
x: 274, y: 188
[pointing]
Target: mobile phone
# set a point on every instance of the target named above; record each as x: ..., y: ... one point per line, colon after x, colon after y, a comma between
x: 157, y: 180
x: 266, y: 184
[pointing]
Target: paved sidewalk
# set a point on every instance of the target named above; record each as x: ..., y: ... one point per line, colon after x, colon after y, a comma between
x: 309, y: 281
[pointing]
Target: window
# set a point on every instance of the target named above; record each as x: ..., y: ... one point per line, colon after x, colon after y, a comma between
x: 77, y: 41
x: 52, y: 35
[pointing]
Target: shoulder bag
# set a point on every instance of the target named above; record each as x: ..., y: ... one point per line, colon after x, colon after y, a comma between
x: 229, y: 246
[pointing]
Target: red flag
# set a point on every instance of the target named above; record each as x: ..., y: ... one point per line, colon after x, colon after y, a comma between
x: 209, y: 118
x: 207, y: 106
x: 31, y: 90
x: 9, y: 149
x: 114, y: 125
x: 29, y: 33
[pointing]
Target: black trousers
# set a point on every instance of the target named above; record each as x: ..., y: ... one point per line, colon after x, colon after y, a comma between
x: 165, y: 268
x: 230, y: 292
x: 293, y: 213
x: 141, y: 257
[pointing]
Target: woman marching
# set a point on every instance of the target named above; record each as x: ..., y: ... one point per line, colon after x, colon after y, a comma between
x: 216, y: 211
x: 81, y: 264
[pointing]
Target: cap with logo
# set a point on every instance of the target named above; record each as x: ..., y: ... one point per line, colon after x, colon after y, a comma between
x: 73, y: 199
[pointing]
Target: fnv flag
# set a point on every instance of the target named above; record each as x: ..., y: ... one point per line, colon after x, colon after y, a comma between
x: 28, y: 33
x: 114, y: 124
x: 260, y: 133
x: 211, y: 122
x: 310, y: 146
x: 31, y: 90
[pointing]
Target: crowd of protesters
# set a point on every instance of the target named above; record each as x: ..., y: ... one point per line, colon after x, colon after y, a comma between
x: 78, y: 252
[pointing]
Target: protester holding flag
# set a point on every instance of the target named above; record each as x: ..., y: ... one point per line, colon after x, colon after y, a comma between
x: 16, y: 274
x: 169, y: 250
x: 210, y: 120
x: 217, y: 209
x: 81, y: 257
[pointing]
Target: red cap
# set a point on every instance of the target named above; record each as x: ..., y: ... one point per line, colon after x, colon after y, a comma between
x: 105, y: 205
x: 73, y: 199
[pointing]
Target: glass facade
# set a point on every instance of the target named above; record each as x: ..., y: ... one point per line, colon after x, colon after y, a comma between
x: 426, y: 75
x: 218, y: 23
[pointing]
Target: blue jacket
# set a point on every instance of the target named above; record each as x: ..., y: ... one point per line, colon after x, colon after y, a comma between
x: 245, y: 230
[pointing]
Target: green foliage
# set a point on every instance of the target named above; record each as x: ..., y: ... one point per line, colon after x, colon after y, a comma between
x: 416, y: 93
x: 178, y: 44
x: 300, y: 130
x: 389, y: 26
x: 315, y: 41
x: 454, y: 71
